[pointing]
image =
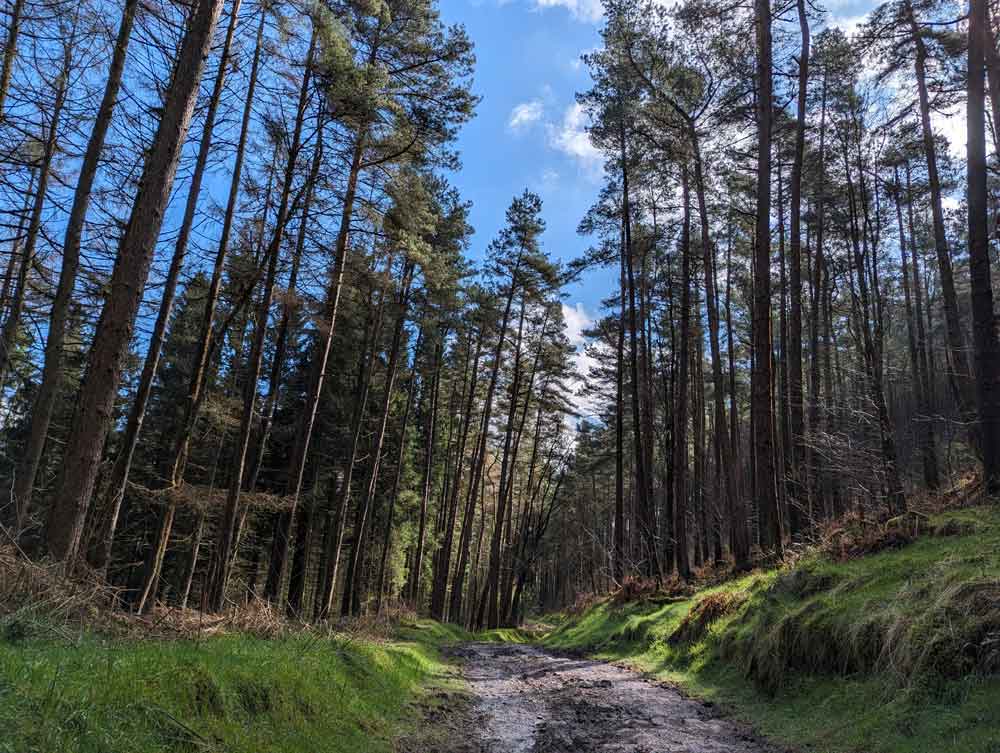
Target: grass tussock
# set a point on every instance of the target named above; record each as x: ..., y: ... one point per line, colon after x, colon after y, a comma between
x: 885, y: 638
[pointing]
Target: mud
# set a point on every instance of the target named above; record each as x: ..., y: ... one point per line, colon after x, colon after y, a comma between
x: 527, y: 700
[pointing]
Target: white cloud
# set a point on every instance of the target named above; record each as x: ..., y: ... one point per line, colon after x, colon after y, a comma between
x: 848, y: 24
x: 524, y: 115
x: 571, y: 138
x: 583, y: 10
x: 953, y: 126
x: 577, y: 320
x: 548, y: 180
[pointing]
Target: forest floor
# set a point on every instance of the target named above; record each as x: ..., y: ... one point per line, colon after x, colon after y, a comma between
x: 529, y: 700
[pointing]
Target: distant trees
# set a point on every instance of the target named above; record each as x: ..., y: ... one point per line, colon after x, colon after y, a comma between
x: 292, y: 384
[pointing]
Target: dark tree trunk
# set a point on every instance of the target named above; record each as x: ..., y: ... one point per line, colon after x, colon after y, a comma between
x: 10, y: 52
x: 926, y: 427
x: 137, y: 411
x: 12, y: 324
x: 650, y: 558
x: 961, y: 377
x: 681, y: 398
x: 52, y: 369
x: 430, y: 436
x: 797, y: 520
x: 987, y: 346
x: 762, y: 407
x: 443, y: 562
x: 93, y: 414
x: 352, y: 589
x: 317, y: 377
x: 226, y: 534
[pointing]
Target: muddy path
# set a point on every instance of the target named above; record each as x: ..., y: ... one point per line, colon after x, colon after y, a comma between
x: 527, y: 700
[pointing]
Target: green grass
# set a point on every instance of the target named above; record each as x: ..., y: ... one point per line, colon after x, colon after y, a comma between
x: 231, y: 693
x: 889, y: 653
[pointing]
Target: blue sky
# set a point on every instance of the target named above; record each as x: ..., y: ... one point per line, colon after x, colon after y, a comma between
x: 529, y: 133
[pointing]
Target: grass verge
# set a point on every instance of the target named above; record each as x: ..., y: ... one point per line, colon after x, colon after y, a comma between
x: 893, y: 652
x: 234, y: 693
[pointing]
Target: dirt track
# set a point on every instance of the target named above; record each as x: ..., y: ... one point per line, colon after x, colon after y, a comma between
x: 530, y: 701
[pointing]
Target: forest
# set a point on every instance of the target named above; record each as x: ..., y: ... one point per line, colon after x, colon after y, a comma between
x: 255, y: 359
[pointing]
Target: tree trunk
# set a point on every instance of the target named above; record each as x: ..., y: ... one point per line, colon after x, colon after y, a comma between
x: 288, y: 306
x: 987, y: 346
x: 52, y: 369
x: 721, y: 436
x: 443, y: 564
x: 283, y: 518
x: 620, y: 554
x: 394, y: 495
x: 961, y: 377
x: 317, y: 375
x: 12, y: 323
x: 643, y: 501
x: 793, y: 354
x: 333, y: 545
x: 762, y: 409
x: 992, y: 58
x: 192, y: 402
x: 133, y: 427
x: 479, y: 457
x: 94, y: 408
x: 870, y: 355
x: 413, y: 587
x: 227, y: 527
x: 926, y: 428
x: 818, y: 298
x: 352, y: 590
x: 488, y: 603
x: 680, y: 460
x: 10, y: 52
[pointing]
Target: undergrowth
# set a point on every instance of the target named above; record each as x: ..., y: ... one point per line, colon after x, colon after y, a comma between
x: 896, y: 650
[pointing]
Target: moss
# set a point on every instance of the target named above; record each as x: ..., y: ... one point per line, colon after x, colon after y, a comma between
x: 897, y: 651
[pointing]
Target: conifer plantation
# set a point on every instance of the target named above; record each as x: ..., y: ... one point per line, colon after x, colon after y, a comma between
x: 257, y: 365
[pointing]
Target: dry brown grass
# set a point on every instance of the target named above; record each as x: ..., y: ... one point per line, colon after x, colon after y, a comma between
x: 584, y: 602
x: 713, y: 607
x: 852, y: 536
x: 30, y: 590
x: 38, y: 597
x: 635, y: 589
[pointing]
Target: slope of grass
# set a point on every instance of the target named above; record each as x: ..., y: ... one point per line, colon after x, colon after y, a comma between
x: 231, y: 693
x: 888, y: 653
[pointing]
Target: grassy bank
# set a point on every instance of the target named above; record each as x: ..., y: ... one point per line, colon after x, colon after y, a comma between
x: 235, y: 693
x: 892, y: 652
